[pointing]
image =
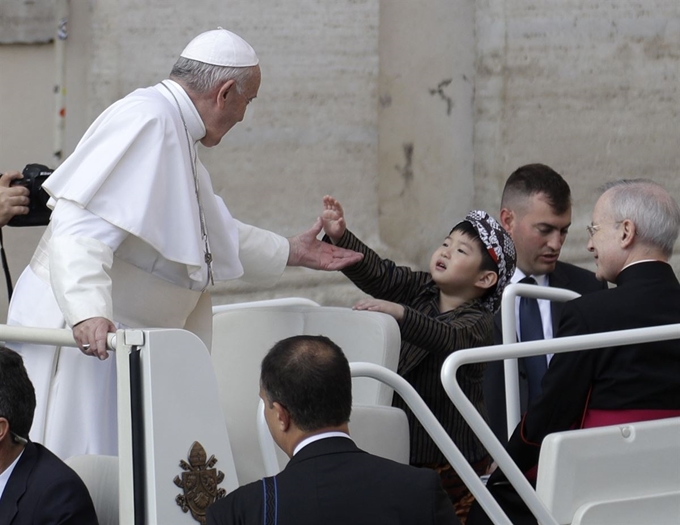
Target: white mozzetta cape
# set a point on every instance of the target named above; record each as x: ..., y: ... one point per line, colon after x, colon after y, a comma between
x: 133, y: 169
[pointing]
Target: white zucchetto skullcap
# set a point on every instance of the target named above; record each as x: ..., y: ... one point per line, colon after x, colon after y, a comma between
x: 220, y: 47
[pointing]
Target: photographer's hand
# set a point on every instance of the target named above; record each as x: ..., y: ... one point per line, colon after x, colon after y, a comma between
x: 90, y: 335
x: 13, y: 199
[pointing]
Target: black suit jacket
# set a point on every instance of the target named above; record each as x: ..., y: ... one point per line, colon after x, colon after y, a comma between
x: 43, y: 490
x: 636, y: 376
x: 565, y: 276
x: 332, y: 482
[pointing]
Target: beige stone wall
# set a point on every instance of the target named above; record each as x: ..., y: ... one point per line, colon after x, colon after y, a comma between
x: 409, y: 111
x: 27, y: 76
x: 588, y: 87
x: 426, y: 121
x: 311, y: 131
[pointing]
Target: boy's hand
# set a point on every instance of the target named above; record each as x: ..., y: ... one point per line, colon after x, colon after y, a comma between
x: 386, y: 307
x: 333, y: 219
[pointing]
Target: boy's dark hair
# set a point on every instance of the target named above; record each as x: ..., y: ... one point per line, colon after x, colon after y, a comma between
x: 469, y: 230
x: 17, y: 397
x: 531, y: 179
x: 309, y: 376
x: 466, y: 228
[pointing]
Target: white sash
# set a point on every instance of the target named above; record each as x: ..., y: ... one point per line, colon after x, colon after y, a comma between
x: 142, y: 300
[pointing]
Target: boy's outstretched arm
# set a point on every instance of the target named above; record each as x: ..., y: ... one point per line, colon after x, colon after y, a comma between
x: 333, y: 218
x: 377, y: 305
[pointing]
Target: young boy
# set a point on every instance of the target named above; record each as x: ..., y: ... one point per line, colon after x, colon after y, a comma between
x: 448, y: 309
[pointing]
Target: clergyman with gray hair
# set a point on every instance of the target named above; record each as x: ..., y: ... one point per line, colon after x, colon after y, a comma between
x: 634, y: 227
x: 138, y: 237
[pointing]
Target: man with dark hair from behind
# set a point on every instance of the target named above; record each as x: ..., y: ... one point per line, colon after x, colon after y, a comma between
x: 306, y: 386
x: 36, y: 487
x: 536, y: 212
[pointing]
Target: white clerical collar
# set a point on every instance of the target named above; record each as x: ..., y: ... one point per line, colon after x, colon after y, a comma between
x: 541, y: 280
x: 4, y: 477
x: 316, y: 437
x: 193, y: 120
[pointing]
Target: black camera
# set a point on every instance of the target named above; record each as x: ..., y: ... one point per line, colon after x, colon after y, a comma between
x: 38, y: 212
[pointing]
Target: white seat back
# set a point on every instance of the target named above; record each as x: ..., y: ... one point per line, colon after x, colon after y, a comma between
x: 242, y: 337
x: 181, y: 407
x: 661, y: 509
x: 379, y: 430
x: 100, y: 475
x: 592, y: 475
x: 282, y: 301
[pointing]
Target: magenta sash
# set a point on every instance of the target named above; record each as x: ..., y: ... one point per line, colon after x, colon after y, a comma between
x: 601, y: 418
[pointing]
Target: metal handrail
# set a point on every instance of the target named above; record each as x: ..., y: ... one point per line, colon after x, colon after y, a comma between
x: 508, y: 325
x: 45, y: 336
x: 437, y: 433
x: 531, y: 348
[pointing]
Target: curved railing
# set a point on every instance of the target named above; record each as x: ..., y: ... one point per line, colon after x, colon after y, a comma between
x: 554, y: 346
x: 437, y: 433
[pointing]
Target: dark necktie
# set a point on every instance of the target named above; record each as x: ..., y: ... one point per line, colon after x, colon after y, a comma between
x: 531, y: 329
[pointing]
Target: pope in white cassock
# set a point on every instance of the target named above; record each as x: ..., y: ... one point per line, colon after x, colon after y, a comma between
x: 137, y: 236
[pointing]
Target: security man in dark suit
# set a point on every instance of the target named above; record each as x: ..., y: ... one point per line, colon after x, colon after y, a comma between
x: 306, y: 387
x: 536, y: 212
x: 36, y: 487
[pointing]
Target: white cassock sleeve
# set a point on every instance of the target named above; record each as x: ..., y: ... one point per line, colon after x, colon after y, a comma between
x: 81, y: 254
x: 262, y: 253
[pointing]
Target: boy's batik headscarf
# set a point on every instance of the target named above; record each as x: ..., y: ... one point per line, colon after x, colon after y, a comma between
x: 500, y: 247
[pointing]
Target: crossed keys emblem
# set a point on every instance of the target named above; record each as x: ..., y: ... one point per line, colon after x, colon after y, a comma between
x: 200, y: 483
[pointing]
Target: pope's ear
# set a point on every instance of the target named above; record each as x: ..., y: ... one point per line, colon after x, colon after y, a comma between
x: 224, y: 90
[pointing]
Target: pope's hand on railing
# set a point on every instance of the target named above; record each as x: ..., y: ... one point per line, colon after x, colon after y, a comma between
x: 91, y: 336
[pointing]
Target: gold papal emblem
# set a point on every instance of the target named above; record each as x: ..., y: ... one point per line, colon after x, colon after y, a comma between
x: 199, y: 482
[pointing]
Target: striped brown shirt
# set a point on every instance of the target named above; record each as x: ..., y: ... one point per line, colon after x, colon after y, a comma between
x: 428, y: 337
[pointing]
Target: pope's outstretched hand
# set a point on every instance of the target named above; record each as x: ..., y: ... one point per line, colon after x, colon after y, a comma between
x: 308, y: 251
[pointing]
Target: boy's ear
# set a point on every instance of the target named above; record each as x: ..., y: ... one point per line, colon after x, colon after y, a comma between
x: 486, y: 279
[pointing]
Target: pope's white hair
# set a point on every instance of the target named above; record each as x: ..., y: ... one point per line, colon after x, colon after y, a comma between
x: 203, y: 78
x: 649, y: 206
